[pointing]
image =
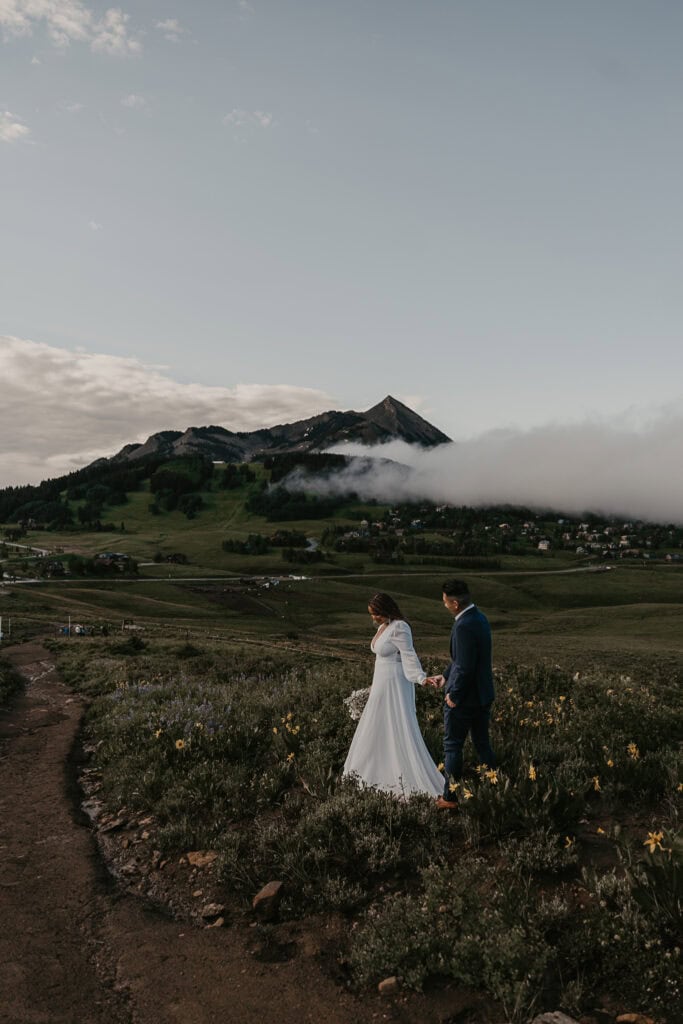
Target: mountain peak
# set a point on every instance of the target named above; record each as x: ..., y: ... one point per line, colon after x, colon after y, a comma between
x: 402, y: 422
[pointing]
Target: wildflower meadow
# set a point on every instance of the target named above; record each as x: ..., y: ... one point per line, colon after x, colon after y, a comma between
x: 557, y: 883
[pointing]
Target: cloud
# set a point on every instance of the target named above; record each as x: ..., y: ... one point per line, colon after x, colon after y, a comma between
x: 12, y: 129
x: 133, y: 101
x: 70, y: 21
x: 248, y: 118
x: 94, y: 225
x: 598, y: 466
x: 62, y: 409
x: 172, y: 29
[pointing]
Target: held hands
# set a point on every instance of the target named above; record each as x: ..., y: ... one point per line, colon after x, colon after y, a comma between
x: 436, y: 681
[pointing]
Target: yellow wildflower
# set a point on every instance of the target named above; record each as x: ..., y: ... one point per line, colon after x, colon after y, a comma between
x: 568, y: 842
x: 158, y: 733
x: 680, y: 787
x: 180, y: 744
x: 563, y: 698
x: 440, y: 766
x: 610, y: 762
x: 492, y: 776
x: 633, y: 751
x: 290, y: 716
x: 199, y: 725
x: 290, y: 757
x: 600, y: 831
x: 275, y: 729
x: 467, y: 793
x: 654, y: 841
x: 596, y: 783
x: 532, y: 773
x: 453, y: 787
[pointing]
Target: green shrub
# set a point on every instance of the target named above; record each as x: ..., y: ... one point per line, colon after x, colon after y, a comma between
x: 335, y: 854
x: 470, y: 923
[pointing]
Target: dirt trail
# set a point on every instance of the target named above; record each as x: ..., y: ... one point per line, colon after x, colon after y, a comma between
x: 74, y: 950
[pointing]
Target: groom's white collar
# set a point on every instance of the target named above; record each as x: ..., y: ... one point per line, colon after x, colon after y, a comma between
x: 465, y: 611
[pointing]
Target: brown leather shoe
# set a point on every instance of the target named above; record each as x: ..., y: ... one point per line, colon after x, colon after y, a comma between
x: 446, y: 805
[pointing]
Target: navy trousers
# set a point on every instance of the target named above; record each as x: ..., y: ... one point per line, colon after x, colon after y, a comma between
x: 458, y: 723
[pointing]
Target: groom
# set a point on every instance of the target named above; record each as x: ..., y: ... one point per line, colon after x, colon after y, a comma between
x: 468, y: 687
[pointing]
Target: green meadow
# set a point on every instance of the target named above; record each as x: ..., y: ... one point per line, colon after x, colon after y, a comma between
x: 216, y: 692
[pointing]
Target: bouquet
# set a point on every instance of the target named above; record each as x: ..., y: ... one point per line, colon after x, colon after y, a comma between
x: 356, y: 702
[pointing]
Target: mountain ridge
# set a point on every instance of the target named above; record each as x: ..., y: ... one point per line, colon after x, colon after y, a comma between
x: 389, y: 420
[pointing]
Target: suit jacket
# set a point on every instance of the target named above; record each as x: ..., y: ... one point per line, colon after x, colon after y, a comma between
x: 469, y: 676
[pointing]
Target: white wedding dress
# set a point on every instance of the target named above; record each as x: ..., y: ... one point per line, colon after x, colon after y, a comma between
x: 388, y: 750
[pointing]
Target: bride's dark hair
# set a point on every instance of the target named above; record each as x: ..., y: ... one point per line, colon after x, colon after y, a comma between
x: 383, y: 604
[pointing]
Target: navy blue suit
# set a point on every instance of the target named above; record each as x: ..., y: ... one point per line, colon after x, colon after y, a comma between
x: 469, y: 684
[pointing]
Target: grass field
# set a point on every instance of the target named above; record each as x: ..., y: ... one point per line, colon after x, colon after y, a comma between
x: 221, y: 715
x: 558, y: 885
x: 618, y: 617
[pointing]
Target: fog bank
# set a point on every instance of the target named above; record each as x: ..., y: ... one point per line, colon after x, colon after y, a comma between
x: 590, y: 467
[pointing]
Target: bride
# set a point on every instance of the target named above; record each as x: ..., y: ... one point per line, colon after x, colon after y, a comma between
x: 387, y: 750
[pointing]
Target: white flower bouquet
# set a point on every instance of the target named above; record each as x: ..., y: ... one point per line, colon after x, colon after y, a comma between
x: 356, y: 702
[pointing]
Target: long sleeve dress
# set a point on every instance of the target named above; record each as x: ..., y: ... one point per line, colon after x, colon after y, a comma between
x: 387, y: 750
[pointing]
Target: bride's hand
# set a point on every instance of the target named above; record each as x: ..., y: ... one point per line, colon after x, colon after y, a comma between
x: 435, y: 681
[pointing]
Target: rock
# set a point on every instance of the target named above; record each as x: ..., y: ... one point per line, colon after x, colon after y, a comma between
x: 212, y: 910
x: 114, y: 825
x: 389, y: 986
x: 634, y: 1018
x: 93, y: 808
x: 218, y: 923
x: 201, y: 858
x: 145, y: 834
x: 131, y: 868
x: 267, y: 900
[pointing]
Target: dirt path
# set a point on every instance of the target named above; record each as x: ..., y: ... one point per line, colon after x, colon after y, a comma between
x: 74, y: 950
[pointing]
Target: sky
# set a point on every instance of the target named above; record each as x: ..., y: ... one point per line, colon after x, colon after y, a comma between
x: 248, y: 211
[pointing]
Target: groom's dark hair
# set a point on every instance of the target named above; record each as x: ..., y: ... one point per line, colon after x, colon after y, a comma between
x: 457, y: 589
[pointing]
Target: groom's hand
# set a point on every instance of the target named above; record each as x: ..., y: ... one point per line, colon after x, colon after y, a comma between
x: 436, y: 681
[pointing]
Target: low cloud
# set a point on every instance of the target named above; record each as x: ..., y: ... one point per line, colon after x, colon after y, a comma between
x: 62, y: 409
x: 171, y: 29
x: 12, y: 129
x: 248, y: 119
x: 598, y: 466
x: 70, y: 21
x: 133, y: 101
